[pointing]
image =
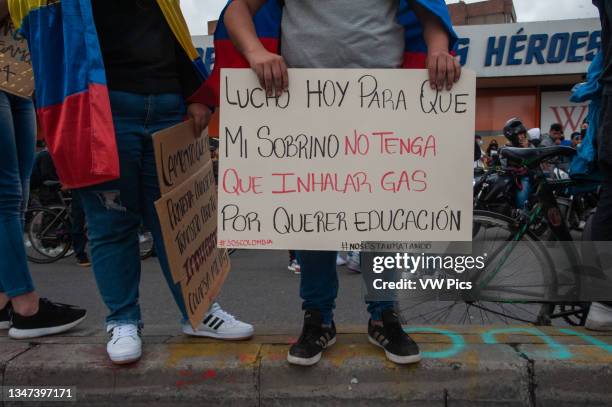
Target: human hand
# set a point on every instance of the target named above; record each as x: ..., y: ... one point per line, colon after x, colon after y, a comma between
x: 443, y: 69
x: 200, y: 114
x: 271, y: 70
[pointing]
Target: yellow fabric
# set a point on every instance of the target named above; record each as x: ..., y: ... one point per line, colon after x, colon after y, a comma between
x: 20, y: 8
x: 176, y: 21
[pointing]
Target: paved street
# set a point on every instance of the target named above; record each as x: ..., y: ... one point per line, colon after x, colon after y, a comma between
x: 259, y: 290
x: 462, y: 365
x: 263, y: 292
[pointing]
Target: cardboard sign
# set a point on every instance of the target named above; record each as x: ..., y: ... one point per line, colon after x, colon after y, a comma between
x: 16, y: 75
x: 201, y: 290
x: 345, y: 156
x: 187, y: 213
x: 179, y: 155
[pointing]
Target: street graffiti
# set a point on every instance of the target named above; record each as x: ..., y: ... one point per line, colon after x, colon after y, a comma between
x: 456, y: 347
x: 589, y: 339
x: 555, y: 350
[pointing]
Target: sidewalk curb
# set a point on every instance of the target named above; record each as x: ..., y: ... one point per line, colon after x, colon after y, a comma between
x: 180, y: 371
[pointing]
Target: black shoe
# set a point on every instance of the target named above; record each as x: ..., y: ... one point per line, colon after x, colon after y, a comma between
x: 398, y: 346
x: 83, y: 261
x: 5, y: 316
x: 314, y: 338
x: 50, y: 319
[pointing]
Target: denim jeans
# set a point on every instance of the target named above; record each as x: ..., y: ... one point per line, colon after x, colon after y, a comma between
x: 115, y: 209
x: 319, y: 285
x: 79, y: 239
x: 17, y: 145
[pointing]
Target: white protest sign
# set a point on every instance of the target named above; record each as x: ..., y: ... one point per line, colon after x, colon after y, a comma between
x: 345, y: 156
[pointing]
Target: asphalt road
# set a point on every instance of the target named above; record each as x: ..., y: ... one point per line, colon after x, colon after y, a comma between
x: 259, y: 290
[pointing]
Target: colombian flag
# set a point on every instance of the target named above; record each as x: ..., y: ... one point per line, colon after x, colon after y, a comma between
x: 268, y: 22
x: 72, y: 97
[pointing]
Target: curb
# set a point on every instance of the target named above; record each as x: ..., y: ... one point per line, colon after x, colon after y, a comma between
x: 184, y: 371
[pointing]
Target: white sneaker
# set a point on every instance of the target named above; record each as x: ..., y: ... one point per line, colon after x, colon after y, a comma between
x: 340, y: 261
x: 599, y: 318
x: 220, y: 325
x: 125, y: 345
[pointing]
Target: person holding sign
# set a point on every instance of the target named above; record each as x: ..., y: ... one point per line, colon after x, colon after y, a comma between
x: 147, y: 77
x: 21, y: 309
x: 346, y: 34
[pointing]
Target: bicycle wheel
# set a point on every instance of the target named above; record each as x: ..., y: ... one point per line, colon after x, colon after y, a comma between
x: 517, y: 279
x: 47, y: 235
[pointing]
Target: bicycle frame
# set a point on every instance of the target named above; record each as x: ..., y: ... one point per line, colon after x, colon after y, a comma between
x: 546, y: 207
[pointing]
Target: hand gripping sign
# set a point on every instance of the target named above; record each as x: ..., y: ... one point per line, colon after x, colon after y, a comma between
x: 345, y: 156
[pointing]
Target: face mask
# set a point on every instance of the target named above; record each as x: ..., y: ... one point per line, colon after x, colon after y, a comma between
x: 480, y: 142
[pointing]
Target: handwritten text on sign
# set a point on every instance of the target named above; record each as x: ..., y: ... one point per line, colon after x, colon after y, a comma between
x: 344, y: 156
x: 187, y: 212
x: 16, y: 74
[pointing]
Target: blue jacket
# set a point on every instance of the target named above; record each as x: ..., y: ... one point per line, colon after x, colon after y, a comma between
x: 585, y: 162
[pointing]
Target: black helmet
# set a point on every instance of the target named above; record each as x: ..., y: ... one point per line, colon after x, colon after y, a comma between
x: 512, y: 129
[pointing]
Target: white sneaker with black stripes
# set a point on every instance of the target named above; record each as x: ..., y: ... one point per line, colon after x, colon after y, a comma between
x: 220, y: 325
x: 125, y: 345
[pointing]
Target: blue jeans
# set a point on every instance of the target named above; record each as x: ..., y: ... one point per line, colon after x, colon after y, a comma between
x: 319, y: 285
x: 17, y: 145
x: 115, y: 209
x: 79, y: 239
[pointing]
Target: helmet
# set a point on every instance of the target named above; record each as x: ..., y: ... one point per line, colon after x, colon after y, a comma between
x: 512, y: 129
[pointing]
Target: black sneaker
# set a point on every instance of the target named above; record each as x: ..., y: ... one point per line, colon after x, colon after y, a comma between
x: 314, y: 338
x: 5, y: 316
x: 398, y: 346
x: 50, y: 319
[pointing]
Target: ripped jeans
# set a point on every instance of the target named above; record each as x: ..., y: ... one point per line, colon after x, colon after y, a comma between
x: 115, y: 209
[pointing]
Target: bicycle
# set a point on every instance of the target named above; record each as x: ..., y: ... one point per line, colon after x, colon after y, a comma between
x: 507, y: 289
x: 48, y: 230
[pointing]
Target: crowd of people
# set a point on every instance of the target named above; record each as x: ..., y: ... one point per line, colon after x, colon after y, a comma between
x: 525, y: 138
x: 153, y: 83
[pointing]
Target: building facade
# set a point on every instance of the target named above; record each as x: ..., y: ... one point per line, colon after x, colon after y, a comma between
x: 482, y: 12
x: 524, y: 70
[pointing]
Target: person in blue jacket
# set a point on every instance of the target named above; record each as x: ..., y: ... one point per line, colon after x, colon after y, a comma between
x: 597, y: 148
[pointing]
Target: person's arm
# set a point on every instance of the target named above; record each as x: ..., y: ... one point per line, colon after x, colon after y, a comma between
x: 4, y: 10
x: 190, y: 83
x: 442, y: 66
x: 269, y: 67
